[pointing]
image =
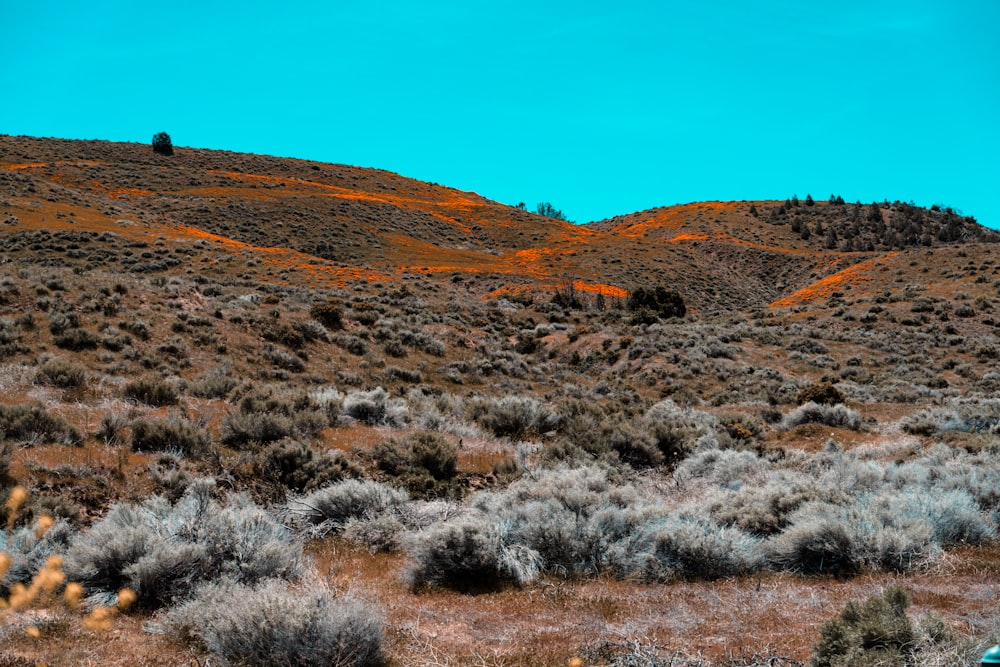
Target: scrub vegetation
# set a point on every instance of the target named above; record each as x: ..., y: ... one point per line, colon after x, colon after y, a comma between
x: 265, y: 411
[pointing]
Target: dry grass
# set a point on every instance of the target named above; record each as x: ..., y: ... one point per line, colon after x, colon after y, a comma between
x: 554, y: 621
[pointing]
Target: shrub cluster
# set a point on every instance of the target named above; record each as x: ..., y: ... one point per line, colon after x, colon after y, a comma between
x: 330, y: 508
x: 163, y: 551
x: 980, y: 415
x: 223, y: 571
x: 375, y: 407
x: 216, y: 384
x: 171, y: 434
x: 831, y: 513
x: 151, y: 391
x: 562, y: 520
x: 424, y: 463
x: 468, y: 554
x: 60, y: 373
x: 658, y: 301
x: 10, y: 335
x: 514, y: 417
x: 328, y: 313
x: 824, y: 392
x: 828, y: 415
x: 879, y: 632
x: 295, y: 466
x: 29, y: 549
x: 261, y: 420
x: 655, y: 439
x: 32, y: 424
x: 76, y: 340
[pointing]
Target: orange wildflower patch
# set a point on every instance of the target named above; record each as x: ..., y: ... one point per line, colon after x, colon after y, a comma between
x: 509, y: 289
x: 578, y: 285
x: 36, y: 165
x: 201, y: 234
x: 29, y: 165
x: 598, y: 288
x: 670, y: 218
x: 418, y: 256
x: 695, y: 237
x: 439, y: 208
x: 853, y: 275
x: 120, y: 193
x: 317, y: 272
x: 723, y: 237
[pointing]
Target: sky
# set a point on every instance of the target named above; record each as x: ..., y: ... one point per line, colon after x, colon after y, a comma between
x: 600, y: 108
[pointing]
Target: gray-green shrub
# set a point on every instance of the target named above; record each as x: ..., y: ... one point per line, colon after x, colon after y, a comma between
x: 375, y: 407
x: 296, y: 466
x: 680, y: 547
x: 515, y: 416
x: 825, y: 538
x: 32, y: 423
x: 241, y: 428
x: 215, y: 384
x: 879, y: 632
x: 828, y: 415
x: 28, y: 551
x: 329, y: 508
x: 164, y: 551
x: 272, y: 624
x: 425, y: 463
x: 764, y: 510
x: 468, y: 554
x: 61, y: 373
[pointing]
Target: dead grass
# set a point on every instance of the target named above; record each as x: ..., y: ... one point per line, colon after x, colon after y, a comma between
x: 551, y: 622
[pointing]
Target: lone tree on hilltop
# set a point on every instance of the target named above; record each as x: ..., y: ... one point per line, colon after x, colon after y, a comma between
x: 550, y: 211
x: 162, y: 144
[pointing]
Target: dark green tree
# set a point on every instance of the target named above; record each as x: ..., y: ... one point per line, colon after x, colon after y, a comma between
x: 658, y: 300
x: 162, y: 144
x: 550, y: 211
x: 875, y: 213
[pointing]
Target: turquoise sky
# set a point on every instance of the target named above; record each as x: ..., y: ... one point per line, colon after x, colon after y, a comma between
x: 600, y: 108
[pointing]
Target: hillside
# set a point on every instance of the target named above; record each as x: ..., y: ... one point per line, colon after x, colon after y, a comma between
x: 263, y: 393
x: 329, y: 223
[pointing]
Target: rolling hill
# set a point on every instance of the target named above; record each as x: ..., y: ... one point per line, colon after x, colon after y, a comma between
x: 327, y: 224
